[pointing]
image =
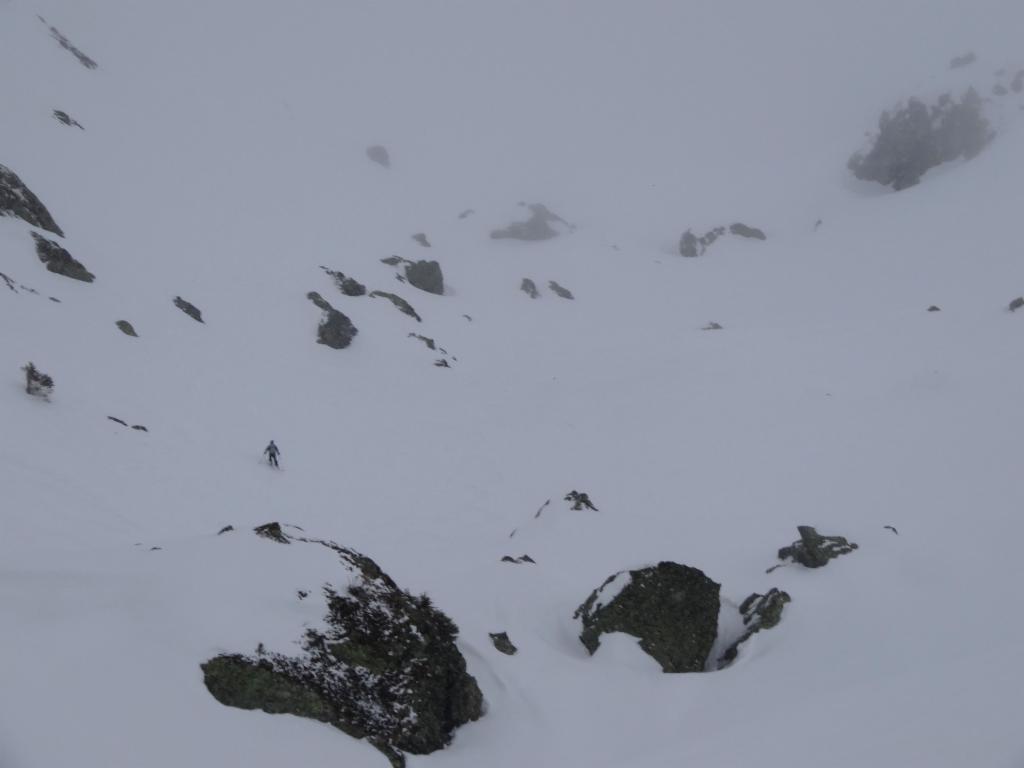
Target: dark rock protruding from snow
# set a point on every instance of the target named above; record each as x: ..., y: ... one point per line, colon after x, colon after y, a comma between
x: 272, y: 531
x: 671, y: 608
x: 59, y: 261
x: 558, y: 290
x: 518, y: 560
x: 712, y: 326
x: 382, y: 665
x: 758, y: 612
x: 404, y: 306
x: 959, y: 62
x: 814, y: 550
x: 916, y: 137
x: 421, y: 238
x: 503, y: 644
x: 934, y: 308
x: 379, y: 155
x: 742, y: 230
x: 537, y: 227
x: 18, y: 200
x: 335, y: 330
x: 84, y: 60
x: 347, y: 285
x: 189, y: 309
x: 529, y: 288
x: 429, y: 342
x: 1017, y: 303
x: 66, y: 119
x: 126, y: 328
x: 426, y: 275
x: 579, y: 501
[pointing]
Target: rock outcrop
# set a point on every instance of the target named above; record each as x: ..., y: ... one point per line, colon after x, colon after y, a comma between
x: 59, y: 261
x: 379, y: 155
x: 559, y: 291
x: 537, y: 227
x: 335, y: 330
x: 671, y: 608
x: 18, y: 200
x: 63, y: 117
x: 347, y: 285
x: 692, y: 245
x: 758, y: 612
x: 814, y: 550
x: 503, y: 644
x: 426, y: 275
x: 529, y: 288
x: 126, y: 328
x: 916, y: 137
x: 382, y: 665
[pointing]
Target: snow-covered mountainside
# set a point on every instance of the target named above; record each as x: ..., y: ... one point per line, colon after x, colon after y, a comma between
x: 232, y: 176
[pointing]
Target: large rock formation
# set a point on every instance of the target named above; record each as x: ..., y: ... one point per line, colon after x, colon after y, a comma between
x: 59, y: 261
x: 916, y: 137
x: 382, y: 665
x: 814, y: 550
x: 18, y: 200
x: 671, y: 608
x: 426, y: 275
x: 335, y: 330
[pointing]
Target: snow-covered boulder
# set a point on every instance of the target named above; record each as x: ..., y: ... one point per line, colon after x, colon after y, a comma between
x: 382, y: 664
x: 671, y: 608
x: 814, y: 550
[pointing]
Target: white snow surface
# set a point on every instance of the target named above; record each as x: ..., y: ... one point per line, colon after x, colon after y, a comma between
x: 223, y: 160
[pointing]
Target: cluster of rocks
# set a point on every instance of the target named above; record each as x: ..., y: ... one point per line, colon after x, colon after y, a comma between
x: 692, y: 245
x: 383, y: 665
x: 529, y: 287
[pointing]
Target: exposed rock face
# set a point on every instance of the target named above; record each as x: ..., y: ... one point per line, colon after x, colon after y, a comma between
x: 18, y: 200
x: 529, y: 288
x: 66, y: 119
x: 558, y: 290
x: 427, y: 276
x: 59, y: 261
x: 759, y: 612
x: 814, y: 550
x: 503, y: 644
x: 537, y: 227
x: 379, y: 155
x: 347, y: 285
x: 84, y: 60
x: 126, y: 328
x: 336, y: 330
x: 671, y: 608
x: 383, y: 666
x: 403, y: 305
x: 188, y: 308
x: 916, y: 137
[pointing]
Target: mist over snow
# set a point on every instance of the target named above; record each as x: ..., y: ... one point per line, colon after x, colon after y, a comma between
x: 823, y: 351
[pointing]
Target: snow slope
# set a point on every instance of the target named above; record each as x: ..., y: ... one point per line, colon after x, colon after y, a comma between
x: 223, y: 159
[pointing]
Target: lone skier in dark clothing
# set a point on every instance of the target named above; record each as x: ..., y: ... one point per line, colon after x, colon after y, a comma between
x: 272, y: 452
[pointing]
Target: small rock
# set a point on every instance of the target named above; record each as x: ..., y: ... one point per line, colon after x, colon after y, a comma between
x: 84, y: 60
x: 335, y: 330
x: 421, y: 238
x: 759, y: 612
x: 427, y: 276
x: 520, y: 559
x: 126, y: 328
x: 347, y: 285
x: 66, y: 119
x: 119, y: 421
x: 393, y: 261
x: 189, y: 309
x: 139, y: 428
x: 814, y: 550
x: 441, y: 363
x: 403, y: 305
x: 225, y: 529
x: 1017, y: 303
x: 558, y: 290
x: 466, y: 213
x: 529, y: 288
x: 59, y: 261
x: 425, y: 339
x: 966, y: 60
x: 742, y: 230
x: 712, y: 327
x: 934, y: 308
x: 891, y: 528
x: 580, y: 501
x: 379, y: 155
x: 503, y: 644
x: 273, y: 532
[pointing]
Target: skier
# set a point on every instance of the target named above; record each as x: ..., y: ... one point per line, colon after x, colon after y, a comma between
x: 272, y: 452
